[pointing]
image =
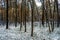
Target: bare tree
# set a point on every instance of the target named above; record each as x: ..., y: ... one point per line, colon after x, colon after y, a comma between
x: 25, y: 15
x: 21, y: 18
x: 43, y: 13
x: 6, y: 14
x: 32, y: 8
x: 56, y: 3
x: 16, y: 13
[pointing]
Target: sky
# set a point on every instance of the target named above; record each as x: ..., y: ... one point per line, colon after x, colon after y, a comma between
x: 38, y: 3
x: 59, y: 1
x: 2, y: 3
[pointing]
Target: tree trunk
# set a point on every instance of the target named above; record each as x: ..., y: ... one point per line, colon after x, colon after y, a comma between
x: 21, y: 18
x: 56, y: 1
x: 32, y: 8
x: 16, y: 13
x: 43, y: 13
x: 7, y: 14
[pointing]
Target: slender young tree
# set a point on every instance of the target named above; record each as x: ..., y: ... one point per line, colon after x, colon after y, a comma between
x: 21, y: 18
x: 43, y: 13
x: 46, y: 14
x: 6, y: 14
x: 56, y: 2
x: 25, y: 15
x: 53, y: 17
x: 32, y: 8
x: 51, y: 20
x: 16, y: 13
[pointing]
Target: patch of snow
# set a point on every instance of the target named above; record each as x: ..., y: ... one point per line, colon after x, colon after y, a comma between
x: 40, y: 33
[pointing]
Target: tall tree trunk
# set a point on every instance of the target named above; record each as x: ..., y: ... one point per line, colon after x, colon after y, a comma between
x: 56, y: 1
x: 21, y: 18
x: 32, y: 8
x: 46, y: 14
x: 25, y: 15
x: 43, y: 13
x: 7, y: 14
x: 16, y: 13
x: 50, y: 18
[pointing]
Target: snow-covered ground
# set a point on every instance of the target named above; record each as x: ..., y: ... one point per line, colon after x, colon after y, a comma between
x: 40, y: 33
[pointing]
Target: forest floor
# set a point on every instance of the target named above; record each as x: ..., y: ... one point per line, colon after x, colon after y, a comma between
x: 40, y: 33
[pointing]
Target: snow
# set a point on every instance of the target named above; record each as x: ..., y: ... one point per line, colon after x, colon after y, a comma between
x: 40, y: 33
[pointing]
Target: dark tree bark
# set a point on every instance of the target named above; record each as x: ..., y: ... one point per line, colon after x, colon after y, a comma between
x: 16, y: 13
x: 32, y: 8
x: 43, y: 13
x: 21, y: 18
x: 46, y: 14
x: 51, y: 20
x: 56, y: 2
x: 7, y: 14
x: 25, y: 15
x: 53, y: 17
